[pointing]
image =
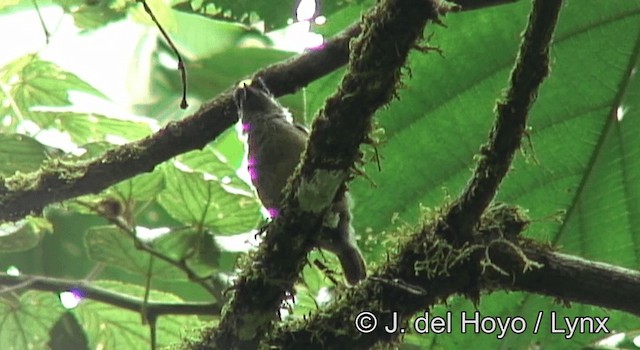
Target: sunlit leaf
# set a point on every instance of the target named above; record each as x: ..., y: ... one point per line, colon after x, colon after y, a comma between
x: 90, y: 127
x: 33, y: 82
x: 194, y: 198
x: 23, y: 234
x: 20, y: 153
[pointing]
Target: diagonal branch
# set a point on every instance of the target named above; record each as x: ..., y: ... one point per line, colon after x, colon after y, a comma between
x: 429, y: 270
x: 532, y: 66
x: 390, y: 30
x: 59, y: 180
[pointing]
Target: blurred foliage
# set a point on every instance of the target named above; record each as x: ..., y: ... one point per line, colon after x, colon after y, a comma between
x: 578, y: 174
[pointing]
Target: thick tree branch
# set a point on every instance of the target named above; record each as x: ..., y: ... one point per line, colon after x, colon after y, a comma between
x: 428, y: 269
x: 151, y: 309
x: 377, y: 56
x: 568, y: 278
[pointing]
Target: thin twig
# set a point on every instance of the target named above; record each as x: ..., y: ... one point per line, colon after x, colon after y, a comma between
x: 181, y: 66
x: 88, y: 291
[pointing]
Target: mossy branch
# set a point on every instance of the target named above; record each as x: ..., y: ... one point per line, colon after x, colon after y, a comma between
x: 530, y: 69
x: 427, y: 270
x: 389, y: 31
x: 454, y: 252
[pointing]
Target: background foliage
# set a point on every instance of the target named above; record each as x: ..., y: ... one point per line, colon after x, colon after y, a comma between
x: 578, y: 175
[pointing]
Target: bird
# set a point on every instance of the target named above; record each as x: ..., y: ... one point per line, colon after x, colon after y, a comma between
x: 275, y: 146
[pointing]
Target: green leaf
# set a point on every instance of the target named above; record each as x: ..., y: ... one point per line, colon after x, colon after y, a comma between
x: 197, y: 249
x: 110, y: 245
x: 227, y: 35
x: 25, y: 321
x: 89, y: 127
x: 33, y: 82
x: 23, y: 234
x: 204, y: 199
x: 142, y: 187
x: 20, y: 153
x: 274, y: 13
x: 109, y: 327
x: 93, y: 16
x: 214, y: 73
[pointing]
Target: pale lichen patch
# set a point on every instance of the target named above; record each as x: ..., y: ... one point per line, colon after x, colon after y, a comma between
x: 317, y: 193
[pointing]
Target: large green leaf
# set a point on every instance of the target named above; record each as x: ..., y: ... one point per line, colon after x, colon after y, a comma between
x: 108, y: 327
x: 33, y: 82
x: 25, y: 320
x: 90, y: 127
x: 110, y: 245
x: 210, y: 200
x: 581, y: 160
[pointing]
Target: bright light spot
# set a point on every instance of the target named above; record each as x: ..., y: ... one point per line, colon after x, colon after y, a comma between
x: 240, y: 243
x: 13, y: 271
x: 9, y: 228
x: 306, y: 9
x: 115, y: 139
x: 612, y: 341
x: 28, y: 127
x: 636, y: 341
x: 57, y: 139
x: 147, y: 235
x: 620, y: 112
x: 288, y: 305
x: 320, y: 20
x: 209, y: 177
x: 79, y: 151
x: 296, y: 37
x: 324, y: 296
x: 167, y: 60
x: 182, y: 167
x: 7, y: 120
x: 70, y: 299
x: 226, y: 180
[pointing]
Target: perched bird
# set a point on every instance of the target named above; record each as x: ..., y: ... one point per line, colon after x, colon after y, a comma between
x: 275, y: 146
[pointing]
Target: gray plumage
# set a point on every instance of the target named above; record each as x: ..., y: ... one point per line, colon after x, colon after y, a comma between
x: 275, y: 146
